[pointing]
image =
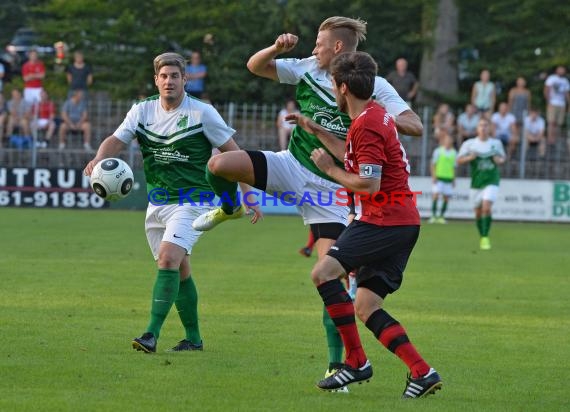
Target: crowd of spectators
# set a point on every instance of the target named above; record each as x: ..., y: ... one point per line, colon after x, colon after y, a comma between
x: 514, y: 119
x: 30, y: 112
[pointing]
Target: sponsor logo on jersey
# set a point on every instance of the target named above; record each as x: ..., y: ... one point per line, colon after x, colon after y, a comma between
x: 182, y: 122
x: 164, y: 155
x: 331, y: 123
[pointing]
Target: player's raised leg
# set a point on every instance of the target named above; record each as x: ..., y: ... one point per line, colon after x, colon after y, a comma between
x: 222, y: 173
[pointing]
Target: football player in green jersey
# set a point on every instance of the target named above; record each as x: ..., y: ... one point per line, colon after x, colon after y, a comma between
x: 484, y: 155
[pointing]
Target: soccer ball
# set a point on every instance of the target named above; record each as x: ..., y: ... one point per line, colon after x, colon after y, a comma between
x: 112, y: 179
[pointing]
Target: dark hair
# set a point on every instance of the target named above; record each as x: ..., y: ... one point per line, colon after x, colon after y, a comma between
x: 357, y: 70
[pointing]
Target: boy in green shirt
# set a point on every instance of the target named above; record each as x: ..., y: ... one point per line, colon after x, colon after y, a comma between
x: 443, y: 164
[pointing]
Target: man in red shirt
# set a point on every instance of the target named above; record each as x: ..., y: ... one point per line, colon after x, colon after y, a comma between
x: 378, y: 243
x: 43, y: 118
x: 33, y: 73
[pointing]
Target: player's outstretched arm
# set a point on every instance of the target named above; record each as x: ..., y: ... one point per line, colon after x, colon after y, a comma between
x: 498, y: 159
x: 409, y: 123
x: 110, y: 147
x: 331, y: 142
x: 465, y: 158
x: 351, y: 181
x: 262, y: 63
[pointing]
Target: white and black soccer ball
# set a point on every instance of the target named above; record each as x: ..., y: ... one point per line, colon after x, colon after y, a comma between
x: 112, y: 179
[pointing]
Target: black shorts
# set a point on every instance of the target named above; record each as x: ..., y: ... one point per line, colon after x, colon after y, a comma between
x: 379, y: 254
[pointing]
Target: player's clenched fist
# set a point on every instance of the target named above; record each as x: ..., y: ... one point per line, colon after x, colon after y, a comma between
x: 286, y: 42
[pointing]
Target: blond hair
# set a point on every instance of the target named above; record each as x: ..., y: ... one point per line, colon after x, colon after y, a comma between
x: 169, y: 59
x: 349, y: 31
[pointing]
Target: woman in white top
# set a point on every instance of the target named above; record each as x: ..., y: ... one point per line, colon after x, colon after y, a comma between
x: 483, y: 94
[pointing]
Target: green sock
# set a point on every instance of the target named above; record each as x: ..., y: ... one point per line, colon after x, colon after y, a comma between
x: 443, y: 208
x: 226, y: 190
x: 486, y: 225
x: 479, y: 222
x: 187, y: 305
x: 334, y: 341
x: 163, y: 295
x: 434, y: 208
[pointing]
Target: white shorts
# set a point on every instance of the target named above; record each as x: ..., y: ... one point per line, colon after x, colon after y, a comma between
x: 444, y: 188
x: 32, y: 94
x: 286, y: 174
x: 172, y: 223
x: 42, y: 123
x: 487, y: 193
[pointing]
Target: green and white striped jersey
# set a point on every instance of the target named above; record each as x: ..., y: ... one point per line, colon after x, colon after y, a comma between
x: 484, y: 171
x: 316, y: 100
x: 176, y: 144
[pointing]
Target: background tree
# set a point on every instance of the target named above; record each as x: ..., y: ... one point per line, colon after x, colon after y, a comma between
x: 438, y: 75
x: 120, y: 38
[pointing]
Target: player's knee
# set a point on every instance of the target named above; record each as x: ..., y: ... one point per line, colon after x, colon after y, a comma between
x: 364, y: 308
x: 168, y: 261
x: 318, y: 275
x: 216, y: 165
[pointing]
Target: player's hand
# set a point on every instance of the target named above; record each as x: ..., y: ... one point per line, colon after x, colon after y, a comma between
x: 286, y: 42
x: 89, y: 168
x: 471, y: 156
x: 302, y: 121
x: 322, y: 159
x: 256, y: 213
x: 499, y: 160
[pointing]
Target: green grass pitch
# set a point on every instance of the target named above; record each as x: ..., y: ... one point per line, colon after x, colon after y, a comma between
x: 75, y: 289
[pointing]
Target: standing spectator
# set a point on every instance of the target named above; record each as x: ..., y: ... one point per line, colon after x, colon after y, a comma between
x: 557, y: 94
x: 443, y: 164
x: 404, y: 82
x: 75, y: 119
x: 483, y: 94
x: 504, y: 128
x: 33, y: 73
x: 534, y: 127
x: 79, y: 75
x: 284, y: 128
x: 519, y: 103
x: 44, y: 119
x: 18, y: 115
x: 3, y: 117
x: 196, y: 73
x: 467, y: 124
x: 2, y: 73
x: 61, y: 58
x: 443, y: 122
x: 484, y: 154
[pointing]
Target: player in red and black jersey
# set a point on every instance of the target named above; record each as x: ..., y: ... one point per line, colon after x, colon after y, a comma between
x: 378, y: 243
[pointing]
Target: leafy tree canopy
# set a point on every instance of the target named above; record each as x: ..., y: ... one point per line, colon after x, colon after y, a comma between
x: 121, y: 37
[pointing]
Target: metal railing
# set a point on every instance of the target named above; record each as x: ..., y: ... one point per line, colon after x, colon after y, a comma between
x: 255, y: 130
